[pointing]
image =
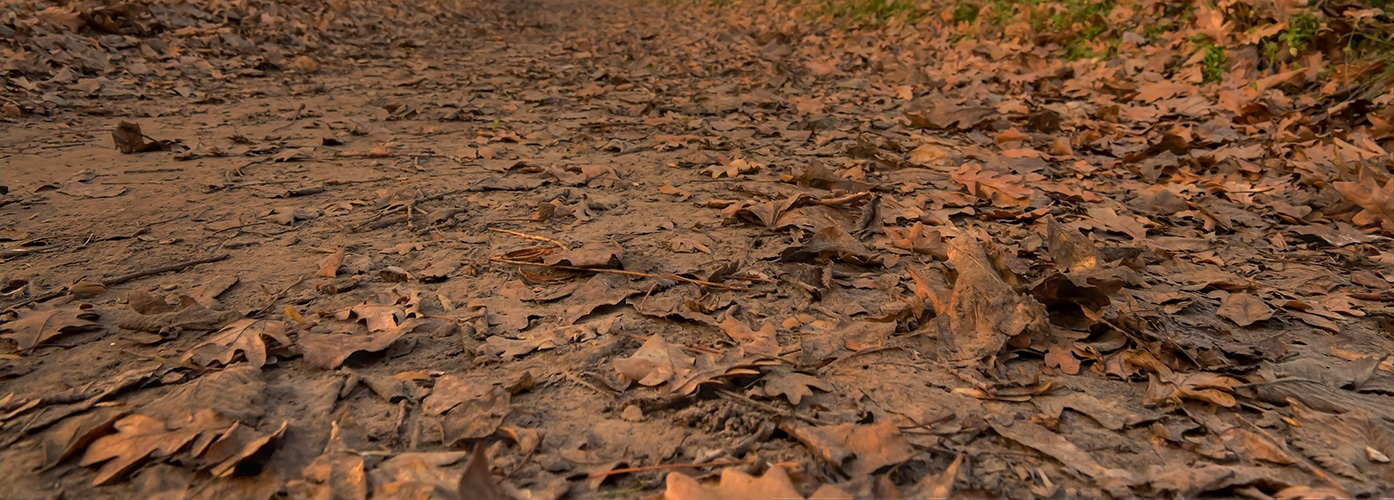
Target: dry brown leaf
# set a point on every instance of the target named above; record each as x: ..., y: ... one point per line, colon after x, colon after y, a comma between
x: 236, y: 446
x: 1377, y: 203
x: 476, y: 482
x: 1002, y: 190
x: 857, y: 449
x: 760, y: 341
x: 476, y: 418
x: 74, y: 434
x: 245, y: 336
x: 337, y: 474
x: 733, y: 485
x: 1244, y: 309
x: 329, y: 350
x: 45, y: 321
x: 137, y: 438
x: 591, y: 254
x: 330, y: 268
x: 794, y: 386
x: 651, y: 365
x: 983, y: 310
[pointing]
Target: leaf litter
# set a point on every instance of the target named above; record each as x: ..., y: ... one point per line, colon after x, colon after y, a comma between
x: 636, y: 250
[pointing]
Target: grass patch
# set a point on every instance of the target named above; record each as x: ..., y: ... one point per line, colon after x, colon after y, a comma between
x: 867, y: 12
x: 1213, y: 65
x: 1301, y: 28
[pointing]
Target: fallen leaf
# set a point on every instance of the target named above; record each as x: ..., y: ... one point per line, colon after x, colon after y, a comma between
x: 337, y: 474
x: 830, y: 243
x: 685, y: 244
x: 651, y: 365
x: 1377, y: 203
x: 476, y: 482
x: 238, y: 445
x: 476, y: 418
x: 983, y: 311
x: 1244, y: 309
x: 329, y: 350
x: 591, y: 254
x: 45, y: 321
x: 758, y: 342
x: 733, y: 485
x: 794, y: 386
x: 330, y: 268
x: 243, y: 336
x: 137, y: 438
x: 428, y: 475
x: 939, y: 486
x: 857, y: 449
x: 74, y: 434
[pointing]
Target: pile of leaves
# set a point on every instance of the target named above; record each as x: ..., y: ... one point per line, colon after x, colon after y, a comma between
x: 736, y: 252
x: 1341, y: 54
x: 83, y: 53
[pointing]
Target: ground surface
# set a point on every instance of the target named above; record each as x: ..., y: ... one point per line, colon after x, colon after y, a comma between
x: 863, y: 260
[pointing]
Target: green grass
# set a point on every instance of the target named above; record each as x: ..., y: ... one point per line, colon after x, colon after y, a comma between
x: 867, y: 12
x: 1301, y: 28
x: 1213, y: 65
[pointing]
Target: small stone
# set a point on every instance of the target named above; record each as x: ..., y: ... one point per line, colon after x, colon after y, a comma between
x: 632, y: 413
x: 553, y: 463
x: 1375, y: 455
x: 169, y: 287
x: 12, y: 111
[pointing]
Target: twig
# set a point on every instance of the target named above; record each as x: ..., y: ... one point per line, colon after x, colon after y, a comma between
x: 769, y: 408
x: 648, y: 468
x: 865, y: 352
x: 531, y: 237
x: 277, y: 296
x: 620, y: 272
x: 576, y: 379
x: 1282, y: 447
x: 109, y: 282
x: 162, y: 269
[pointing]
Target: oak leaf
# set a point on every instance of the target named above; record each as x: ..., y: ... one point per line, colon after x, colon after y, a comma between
x: 794, y: 386
x: 44, y: 321
x: 139, y: 437
x: 245, y: 336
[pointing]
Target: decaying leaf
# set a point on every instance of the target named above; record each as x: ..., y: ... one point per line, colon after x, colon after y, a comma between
x: 651, y: 365
x: 734, y: 484
x: 1244, y: 309
x: 137, y: 438
x: 592, y: 254
x: 760, y: 341
x: 244, y: 336
x: 477, y: 481
x: 329, y: 350
x: 44, y: 322
x: 794, y: 386
x: 338, y: 473
x: 857, y: 449
x: 983, y: 311
x: 476, y: 418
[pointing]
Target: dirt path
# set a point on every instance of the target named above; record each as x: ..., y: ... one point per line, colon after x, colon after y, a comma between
x: 793, y: 273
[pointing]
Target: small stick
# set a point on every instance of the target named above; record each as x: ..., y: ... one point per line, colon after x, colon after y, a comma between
x: 109, y: 282
x: 531, y: 237
x: 1282, y: 448
x: 162, y: 269
x: 153, y: 170
x: 648, y: 468
x: 770, y: 408
x: 277, y: 296
x: 621, y: 272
